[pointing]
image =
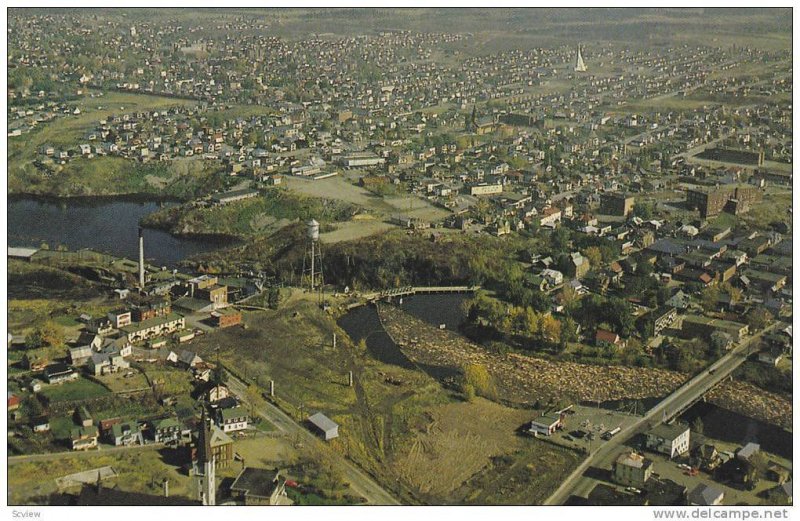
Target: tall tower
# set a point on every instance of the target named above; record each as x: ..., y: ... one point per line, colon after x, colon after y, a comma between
x: 314, y: 256
x: 206, y: 465
x: 141, y: 259
x: 580, y: 66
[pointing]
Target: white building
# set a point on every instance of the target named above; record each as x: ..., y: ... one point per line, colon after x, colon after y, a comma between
x: 672, y: 440
x: 545, y: 424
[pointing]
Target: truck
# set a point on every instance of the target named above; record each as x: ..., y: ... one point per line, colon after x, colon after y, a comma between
x: 610, y: 434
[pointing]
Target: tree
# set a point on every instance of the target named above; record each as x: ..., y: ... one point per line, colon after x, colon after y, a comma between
x: 643, y: 211
x: 550, y: 329
x: 709, y: 298
x: 478, y: 377
x: 758, y: 318
x: 697, y: 425
x: 594, y: 255
x: 219, y: 376
x: 559, y: 240
x: 49, y: 333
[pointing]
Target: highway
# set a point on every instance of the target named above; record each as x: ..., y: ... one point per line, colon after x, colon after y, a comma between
x: 359, y: 481
x: 578, y: 484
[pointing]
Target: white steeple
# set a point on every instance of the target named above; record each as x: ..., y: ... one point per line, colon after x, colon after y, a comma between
x: 580, y: 66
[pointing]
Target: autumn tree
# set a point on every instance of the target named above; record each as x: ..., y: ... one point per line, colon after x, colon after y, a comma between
x: 550, y: 329
x: 478, y: 378
x: 594, y: 255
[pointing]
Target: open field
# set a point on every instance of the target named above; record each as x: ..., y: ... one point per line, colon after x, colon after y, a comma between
x: 141, y: 471
x: 393, y: 421
x: 342, y: 189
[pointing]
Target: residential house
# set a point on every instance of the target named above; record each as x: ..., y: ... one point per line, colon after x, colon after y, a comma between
x: 79, y: 356
x: 166, y: 430
x: 705, y: 495
x: 256, y: 487
x: 84, y: 438
x: 126, y: 434
x: 13, y: 401
x: 59, y: 373
x: 40, y: 424
x: 233, y: 419
x: 632, y: 469
x: 603, y: 337
x: 153, y: 327
x: 103, y: 363
x: 189, y: 359
x: 553, y: 277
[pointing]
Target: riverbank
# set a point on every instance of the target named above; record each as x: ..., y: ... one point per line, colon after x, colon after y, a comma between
x: 526, y: 379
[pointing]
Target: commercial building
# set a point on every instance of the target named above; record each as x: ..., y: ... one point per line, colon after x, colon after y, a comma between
x: 672, y: 440
x: 700, y: 326
x: 486, y: 189
x: 711, y: 202
x: 233, y: 196
x: 326, y: 427
x: 547, y: 424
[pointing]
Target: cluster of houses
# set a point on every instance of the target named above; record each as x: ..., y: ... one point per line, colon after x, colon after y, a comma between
x: 637, y: 472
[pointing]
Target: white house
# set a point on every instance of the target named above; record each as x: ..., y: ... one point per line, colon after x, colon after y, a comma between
x: 672, y: 440
x: 553, y: 277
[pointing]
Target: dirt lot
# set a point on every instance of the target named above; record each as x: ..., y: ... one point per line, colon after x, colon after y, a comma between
x: 343, y: 189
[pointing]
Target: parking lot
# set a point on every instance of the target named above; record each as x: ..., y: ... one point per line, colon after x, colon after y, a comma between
x: 584, y: 426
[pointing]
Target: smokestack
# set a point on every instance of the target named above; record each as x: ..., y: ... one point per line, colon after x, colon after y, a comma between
x: 334, y: 340
x: 272, y: 388
x: 141, y: 259
x: 166, y: 488
x: 350, y: 378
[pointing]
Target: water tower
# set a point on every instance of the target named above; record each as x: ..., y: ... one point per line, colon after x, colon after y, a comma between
x: 314, y: 255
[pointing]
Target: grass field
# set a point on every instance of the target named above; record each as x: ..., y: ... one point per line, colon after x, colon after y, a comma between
x: 80, y: 389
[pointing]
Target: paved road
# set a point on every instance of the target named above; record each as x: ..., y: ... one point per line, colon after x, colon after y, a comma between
x: 100, y: 451
x: 359, y: 481
x: 578, y: 484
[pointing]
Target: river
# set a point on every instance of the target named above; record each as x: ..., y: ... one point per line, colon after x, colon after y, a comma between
x: 363, y: 323
x: 107, y: 225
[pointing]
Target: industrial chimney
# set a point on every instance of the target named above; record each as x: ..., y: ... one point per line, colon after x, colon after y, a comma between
x: 141, y: 259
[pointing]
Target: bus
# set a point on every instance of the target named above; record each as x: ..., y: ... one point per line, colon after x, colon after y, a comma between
x: 610, y: 434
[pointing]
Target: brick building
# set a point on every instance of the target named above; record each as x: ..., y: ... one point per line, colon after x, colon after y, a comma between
x: 615, y: 203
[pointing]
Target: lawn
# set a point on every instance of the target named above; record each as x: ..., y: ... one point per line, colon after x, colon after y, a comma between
x: 80, y: 389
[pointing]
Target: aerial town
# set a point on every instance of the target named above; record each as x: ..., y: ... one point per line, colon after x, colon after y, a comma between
x: 270, y: 257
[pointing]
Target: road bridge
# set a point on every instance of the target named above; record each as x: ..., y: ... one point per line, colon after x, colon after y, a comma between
x: 670, y: 407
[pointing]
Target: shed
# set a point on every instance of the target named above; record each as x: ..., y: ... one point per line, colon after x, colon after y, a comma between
x: 326, y: 427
